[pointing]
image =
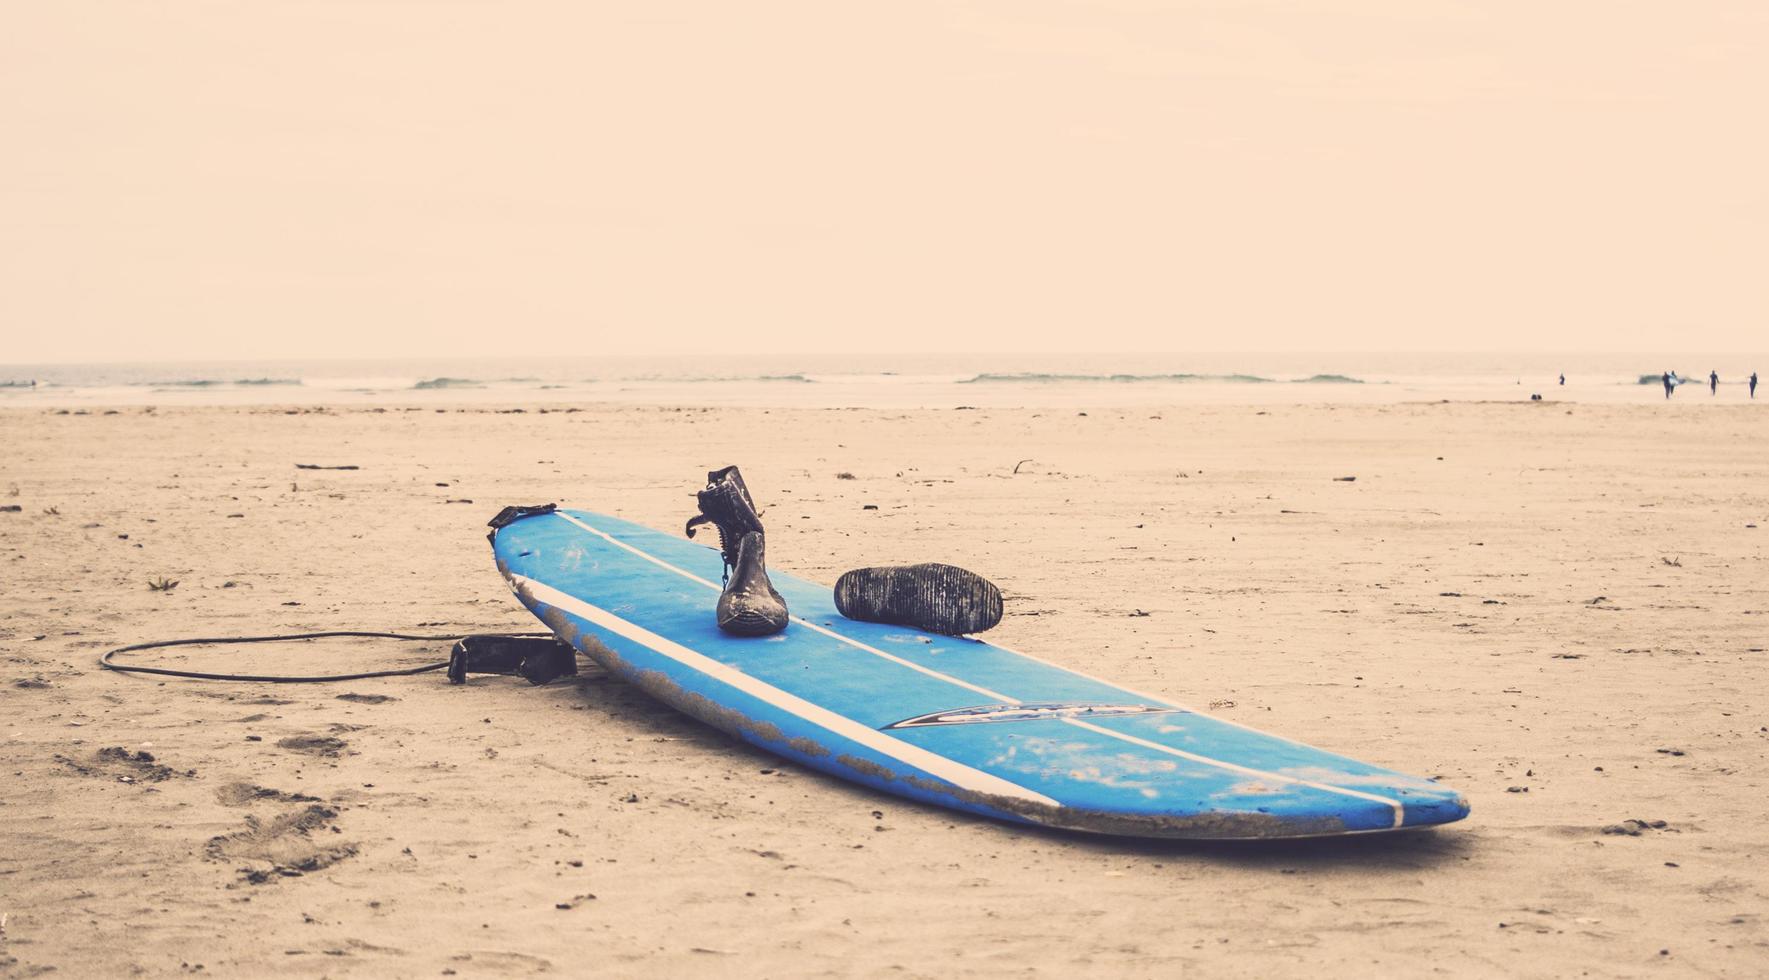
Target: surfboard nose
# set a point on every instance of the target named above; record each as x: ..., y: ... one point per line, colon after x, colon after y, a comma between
x: 1424, y: 809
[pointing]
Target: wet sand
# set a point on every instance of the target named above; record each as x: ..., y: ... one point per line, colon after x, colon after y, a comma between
x: 1562, y: 610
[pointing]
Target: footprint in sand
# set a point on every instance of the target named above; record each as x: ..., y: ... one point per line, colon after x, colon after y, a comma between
x: 246, y: 794
x: 124, y: 766
x: 282, y: 846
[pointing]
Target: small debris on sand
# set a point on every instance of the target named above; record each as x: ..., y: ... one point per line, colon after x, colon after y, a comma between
x: 317, y: 466
x: 367, y: 698
x: 1634, y: 828
x: 320, y: 745
x: 123, y: 765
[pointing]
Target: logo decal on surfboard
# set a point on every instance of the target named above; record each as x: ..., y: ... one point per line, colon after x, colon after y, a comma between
x: 986, y: 713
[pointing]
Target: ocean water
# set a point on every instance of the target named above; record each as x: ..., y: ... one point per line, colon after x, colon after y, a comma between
x: 889, y: 381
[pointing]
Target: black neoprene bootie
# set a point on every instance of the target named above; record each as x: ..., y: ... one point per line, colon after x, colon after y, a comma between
x: 749, y: 606
x: 933, y: 597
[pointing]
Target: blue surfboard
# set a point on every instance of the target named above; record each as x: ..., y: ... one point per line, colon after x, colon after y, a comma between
x: 951, y: 721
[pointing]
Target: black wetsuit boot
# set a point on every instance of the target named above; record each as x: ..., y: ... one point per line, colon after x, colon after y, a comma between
x: 933, y: 597
x: 749, y: 606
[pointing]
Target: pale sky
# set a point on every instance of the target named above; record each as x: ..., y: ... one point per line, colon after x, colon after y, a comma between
x: 375, y: 178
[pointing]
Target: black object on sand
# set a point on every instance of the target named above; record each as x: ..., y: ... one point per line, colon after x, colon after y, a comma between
x: 535, y: 659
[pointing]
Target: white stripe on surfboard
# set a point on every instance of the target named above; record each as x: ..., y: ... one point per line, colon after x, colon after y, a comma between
x: 1398, y: 807
x: 950, y: 770
x: 1150, y: 697
x: 912, y: 665
x: 1399, y: 810
x: 648, y: 556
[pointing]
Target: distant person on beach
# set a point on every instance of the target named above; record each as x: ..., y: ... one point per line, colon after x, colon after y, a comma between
x: 1668, y: 384
x: 1713, y: 382
x: 1753, y: 384
x: 1563, y: 380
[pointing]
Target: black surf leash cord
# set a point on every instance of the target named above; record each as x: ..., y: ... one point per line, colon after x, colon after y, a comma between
x: 106, y: 662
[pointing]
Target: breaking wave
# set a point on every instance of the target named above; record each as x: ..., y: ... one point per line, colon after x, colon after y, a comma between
x: 1037, y: 378
x: 214, y: 382
x: 434, y: 384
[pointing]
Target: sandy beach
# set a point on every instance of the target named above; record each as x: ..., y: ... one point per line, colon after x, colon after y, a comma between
x: 1561, y: 610
x: 1382, y: 376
